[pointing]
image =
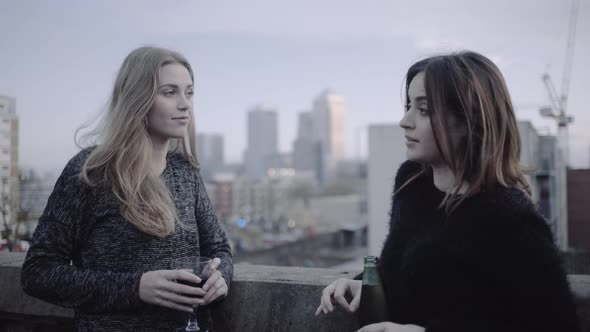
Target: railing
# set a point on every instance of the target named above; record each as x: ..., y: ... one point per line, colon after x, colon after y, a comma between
x: 262, y: 298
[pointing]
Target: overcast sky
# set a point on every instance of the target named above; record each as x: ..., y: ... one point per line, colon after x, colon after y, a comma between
x: 59, y: 59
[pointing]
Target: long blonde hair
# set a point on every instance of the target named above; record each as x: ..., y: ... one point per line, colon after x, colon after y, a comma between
x: 122, y: 155
x: 473, y: 90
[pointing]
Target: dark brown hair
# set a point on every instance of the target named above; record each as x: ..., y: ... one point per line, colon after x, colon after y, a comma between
x: 472, y: 88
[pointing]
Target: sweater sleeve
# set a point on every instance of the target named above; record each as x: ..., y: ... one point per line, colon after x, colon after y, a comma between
x: 212, y: 238
x: 47, y: 272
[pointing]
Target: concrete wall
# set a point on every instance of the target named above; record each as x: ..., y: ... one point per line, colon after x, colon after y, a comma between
x: 262, y: 298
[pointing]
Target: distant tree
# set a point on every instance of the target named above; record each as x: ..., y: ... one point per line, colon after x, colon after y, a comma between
x: 5, y: 203
x: 30, y: 185
x: 32, y: 196
x: 338, y: 189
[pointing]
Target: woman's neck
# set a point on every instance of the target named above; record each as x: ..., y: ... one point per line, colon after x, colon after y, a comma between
x: 159, y: 152
x: 444, y: 179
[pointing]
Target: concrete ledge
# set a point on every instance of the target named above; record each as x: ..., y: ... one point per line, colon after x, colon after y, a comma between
x: 269, y: 298
x: 262, y: 298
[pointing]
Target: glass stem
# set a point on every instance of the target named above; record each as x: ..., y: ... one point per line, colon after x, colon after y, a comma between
x: 192, y: 324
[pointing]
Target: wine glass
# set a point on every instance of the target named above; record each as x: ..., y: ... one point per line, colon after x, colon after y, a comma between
x: 201, y: 267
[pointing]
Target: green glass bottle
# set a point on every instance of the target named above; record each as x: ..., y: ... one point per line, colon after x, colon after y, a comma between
x: 373, y: 307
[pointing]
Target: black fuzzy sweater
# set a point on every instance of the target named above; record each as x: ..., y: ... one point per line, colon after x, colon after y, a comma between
x: 491, y: 265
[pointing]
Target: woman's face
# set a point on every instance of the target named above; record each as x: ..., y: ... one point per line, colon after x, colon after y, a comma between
x: 170, y: 114
x: 420, y: 141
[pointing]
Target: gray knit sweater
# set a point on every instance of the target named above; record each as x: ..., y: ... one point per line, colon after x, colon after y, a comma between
x: 85, y: 255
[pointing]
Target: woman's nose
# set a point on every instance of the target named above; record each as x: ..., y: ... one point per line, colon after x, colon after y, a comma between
x: 406, y: 121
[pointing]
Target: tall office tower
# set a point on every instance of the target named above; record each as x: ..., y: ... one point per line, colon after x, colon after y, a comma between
x: 263, y: 140
x: 210, y: 151
x: 9, y: 188
x: 328, y: 129
x: 304, y: 144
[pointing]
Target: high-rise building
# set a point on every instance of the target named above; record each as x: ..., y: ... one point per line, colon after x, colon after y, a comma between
x: 305, y: 125
x: 304, y: 146
x: 9, y: 185
x: 328, y: 128
x: 578, y: 184
x: 223, y: 184
x: 210, y: 149
x: 539, y: 156
x: 547, y: 182
x: 387, y: 151
x: 263, y: 140
x: 529, y: 153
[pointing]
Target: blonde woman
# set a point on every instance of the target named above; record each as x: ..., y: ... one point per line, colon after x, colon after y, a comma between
x: 125, y: 208
x: 467, y: 248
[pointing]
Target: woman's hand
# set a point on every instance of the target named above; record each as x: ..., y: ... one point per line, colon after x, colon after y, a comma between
x: 334, y: 293
x: 160, y: 288
x: 391, y: 327
x: 215, y: 287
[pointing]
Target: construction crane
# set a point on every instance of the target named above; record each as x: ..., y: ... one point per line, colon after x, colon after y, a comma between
x: 557, y: 110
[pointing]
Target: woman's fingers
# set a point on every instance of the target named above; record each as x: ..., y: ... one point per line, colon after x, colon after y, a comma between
x: 215, y: 263
x: 336, y: 293
x: 327, y: 298
x: 178, y: 298
x: 173, y: 305
x: 184, y: 275
x: 319, y: 309
x: 213, y: 278
x: 215, y: 287
x: 340, y: 290
x: 356, y: 300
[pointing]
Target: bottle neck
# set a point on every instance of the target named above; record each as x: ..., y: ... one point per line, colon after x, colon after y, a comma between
x: 370, y: 272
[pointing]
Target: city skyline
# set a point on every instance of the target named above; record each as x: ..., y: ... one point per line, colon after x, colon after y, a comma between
x: 55, y: 62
